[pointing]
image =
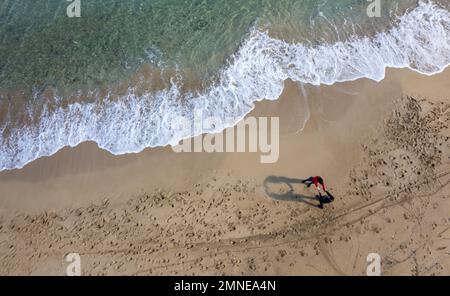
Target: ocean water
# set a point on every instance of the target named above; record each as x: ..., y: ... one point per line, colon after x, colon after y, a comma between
x: 124, y: 72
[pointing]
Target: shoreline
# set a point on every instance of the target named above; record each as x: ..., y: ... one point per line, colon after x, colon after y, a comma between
x: 343, y: 118
x: 88, y: 159
x: 257, y: 71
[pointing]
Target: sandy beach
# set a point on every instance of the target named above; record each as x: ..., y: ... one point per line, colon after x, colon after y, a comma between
x: 382, y: 148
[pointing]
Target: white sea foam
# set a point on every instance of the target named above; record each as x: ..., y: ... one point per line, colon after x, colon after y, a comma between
x: 420, y: 41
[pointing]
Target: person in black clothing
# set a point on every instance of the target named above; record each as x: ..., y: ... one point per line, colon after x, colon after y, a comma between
x: 324, y: 199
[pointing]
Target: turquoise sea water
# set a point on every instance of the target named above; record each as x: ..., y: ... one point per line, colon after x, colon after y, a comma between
x: 58, y: 75
x: 40, y: 45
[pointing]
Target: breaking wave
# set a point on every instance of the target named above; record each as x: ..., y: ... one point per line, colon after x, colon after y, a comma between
x: 420, y: 41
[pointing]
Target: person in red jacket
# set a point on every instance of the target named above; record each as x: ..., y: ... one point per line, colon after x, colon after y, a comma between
x: 318, y: 182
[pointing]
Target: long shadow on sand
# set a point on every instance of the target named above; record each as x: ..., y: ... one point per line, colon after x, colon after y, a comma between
x: 290, y: 195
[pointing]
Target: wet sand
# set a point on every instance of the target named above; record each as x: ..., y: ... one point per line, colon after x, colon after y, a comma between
x: 159, y: 212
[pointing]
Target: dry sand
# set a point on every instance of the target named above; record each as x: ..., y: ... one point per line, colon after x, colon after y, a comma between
x: 384, y: 155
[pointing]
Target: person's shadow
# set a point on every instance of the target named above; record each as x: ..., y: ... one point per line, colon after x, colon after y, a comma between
x: 290, y: 195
